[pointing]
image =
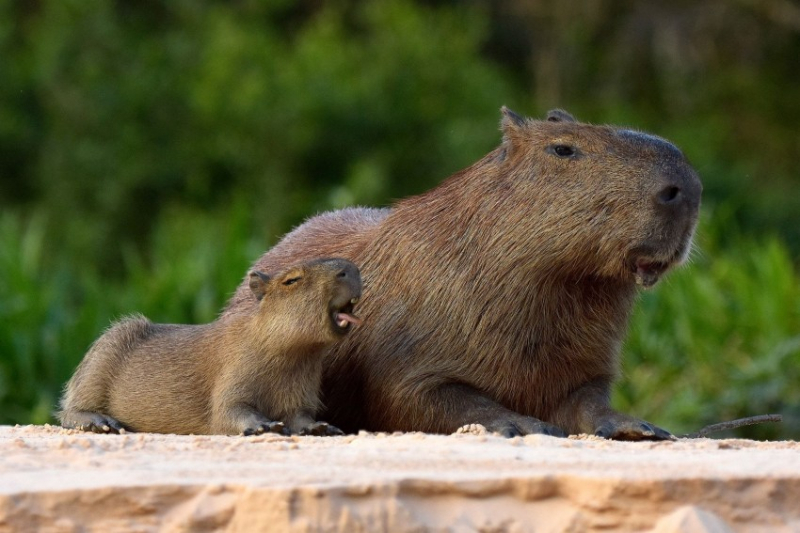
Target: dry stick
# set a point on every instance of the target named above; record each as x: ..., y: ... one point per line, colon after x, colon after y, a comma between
x: 733, y: 424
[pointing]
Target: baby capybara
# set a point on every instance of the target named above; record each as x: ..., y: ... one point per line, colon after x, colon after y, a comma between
x: 243, y: 374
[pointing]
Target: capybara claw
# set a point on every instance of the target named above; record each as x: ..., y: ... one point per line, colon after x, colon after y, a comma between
x: 333, y: 431
x: 553, y: 431
x: 92, y: 422
x: 321, y: 429
x: 526, y: 426
x: 277, y: 427
x: 98, y: 428
x: 647, y: 430
x: 623, y: 427
x: 603, y: 432
x: 509, y: 431
x: 266, y: 427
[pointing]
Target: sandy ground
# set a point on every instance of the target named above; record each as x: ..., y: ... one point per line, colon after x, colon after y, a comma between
x: 55, y: 480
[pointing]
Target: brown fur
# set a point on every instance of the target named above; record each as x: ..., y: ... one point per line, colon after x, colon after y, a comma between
x: 502, y: 296
x: 238, y: 374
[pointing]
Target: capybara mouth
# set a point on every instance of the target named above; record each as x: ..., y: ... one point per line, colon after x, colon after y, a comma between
x: 647, y: 272
x: 649, y: 262
x: 343, y: 317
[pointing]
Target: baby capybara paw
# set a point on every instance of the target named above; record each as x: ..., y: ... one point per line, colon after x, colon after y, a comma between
x: 91, y: 421
x: 619, y: 426
x: 321, y: 429
x: 266, y: 427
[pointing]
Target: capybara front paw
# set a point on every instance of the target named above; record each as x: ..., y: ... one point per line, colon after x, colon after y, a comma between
x: 266, y: 427
x: 524, y: 426
x: 623, y: 427
x: 90, y: 421
x: 321, y: 429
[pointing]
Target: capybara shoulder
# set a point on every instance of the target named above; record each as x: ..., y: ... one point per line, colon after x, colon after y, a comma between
x: 332, y: 230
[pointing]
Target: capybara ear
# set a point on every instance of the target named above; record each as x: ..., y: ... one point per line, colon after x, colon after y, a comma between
x: 511, y: 120
x: 258, y: 284
x: 511, y: 125
x: 559, y: 115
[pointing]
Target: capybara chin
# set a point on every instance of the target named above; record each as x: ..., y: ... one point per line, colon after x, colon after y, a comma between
x: 243, y: 374
x: 502, y: 296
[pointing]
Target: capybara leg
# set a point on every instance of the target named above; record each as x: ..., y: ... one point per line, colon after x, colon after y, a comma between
x: 458, y: 405
x: 244, y: 419
x: 587, y: 410
x: 91, y: 421
x: 321, y: 429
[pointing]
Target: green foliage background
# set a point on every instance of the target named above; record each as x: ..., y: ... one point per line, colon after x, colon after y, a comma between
x: 150, y: 151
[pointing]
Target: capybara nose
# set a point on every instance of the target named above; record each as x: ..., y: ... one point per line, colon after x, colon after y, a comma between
x: 348, y: 274
x: 678, y: 191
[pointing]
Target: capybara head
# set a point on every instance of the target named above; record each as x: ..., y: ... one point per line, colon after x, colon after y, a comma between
x: 312, y: 301
x: 601, y: 201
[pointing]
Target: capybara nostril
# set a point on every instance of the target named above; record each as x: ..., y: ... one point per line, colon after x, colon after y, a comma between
x: 669, y: 195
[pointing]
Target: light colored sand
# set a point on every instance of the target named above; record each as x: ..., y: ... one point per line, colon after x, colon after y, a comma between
x: 54, y: 480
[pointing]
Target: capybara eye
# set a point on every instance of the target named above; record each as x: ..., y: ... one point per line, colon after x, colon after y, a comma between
x: 292, y: 281
x: 562, y: 150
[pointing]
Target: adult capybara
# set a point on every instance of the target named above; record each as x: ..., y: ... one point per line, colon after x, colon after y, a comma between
x: 241, y: 374
x: 501, y: 297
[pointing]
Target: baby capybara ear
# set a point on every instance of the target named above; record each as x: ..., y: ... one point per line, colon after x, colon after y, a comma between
x: 258, y: 284
x: 559, y: 115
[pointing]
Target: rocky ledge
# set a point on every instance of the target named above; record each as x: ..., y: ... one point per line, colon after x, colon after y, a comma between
x: 57, y: 480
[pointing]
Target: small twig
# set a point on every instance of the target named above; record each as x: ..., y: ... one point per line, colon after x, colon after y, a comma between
x: 733, y: 424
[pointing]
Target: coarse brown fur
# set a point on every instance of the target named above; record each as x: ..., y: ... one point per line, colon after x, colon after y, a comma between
x: 239, y: 374
x: 502, y: 296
